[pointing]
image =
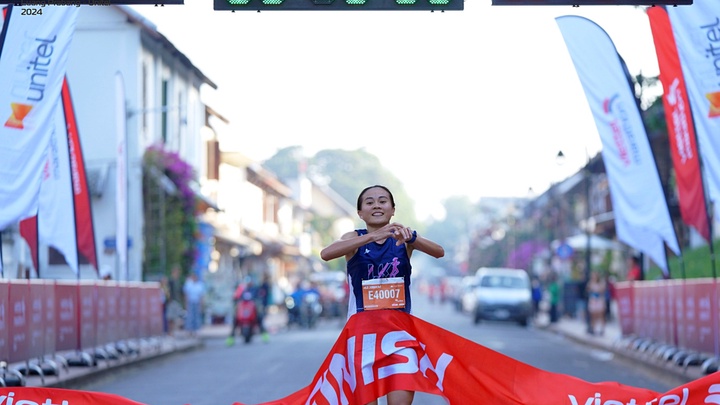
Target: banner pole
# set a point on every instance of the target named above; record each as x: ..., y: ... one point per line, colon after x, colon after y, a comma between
x: 2, y: 269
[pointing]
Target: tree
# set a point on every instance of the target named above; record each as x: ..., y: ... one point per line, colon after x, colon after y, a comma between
x: 347, y: 172
x: 452, y: 231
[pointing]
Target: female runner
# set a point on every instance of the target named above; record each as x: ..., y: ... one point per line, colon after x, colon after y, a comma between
x: 380, y: 251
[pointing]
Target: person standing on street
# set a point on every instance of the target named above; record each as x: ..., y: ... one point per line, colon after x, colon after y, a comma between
x: 596, y: 292
x: 381, y: 245
x: 175, y: 299
x: 553, y: 289
x: 194, y: 290
x: 635, y: 273
x: 262, y: 301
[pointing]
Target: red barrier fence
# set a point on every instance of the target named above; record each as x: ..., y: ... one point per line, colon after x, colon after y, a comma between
x: 684, y: 313
x: 42, y: 317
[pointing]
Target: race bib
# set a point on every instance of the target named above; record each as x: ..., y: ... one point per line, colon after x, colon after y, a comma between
x: 383, y: 293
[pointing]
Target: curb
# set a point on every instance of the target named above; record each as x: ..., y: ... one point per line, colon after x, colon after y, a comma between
x: 621, y: 348
x: 76, y: 376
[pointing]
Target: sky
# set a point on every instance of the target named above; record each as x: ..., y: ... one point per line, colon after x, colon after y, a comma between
x: 472, y: 103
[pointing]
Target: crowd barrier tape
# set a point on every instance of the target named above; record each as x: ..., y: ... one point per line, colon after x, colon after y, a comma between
x: 684, y: 313
x: 42, y: 317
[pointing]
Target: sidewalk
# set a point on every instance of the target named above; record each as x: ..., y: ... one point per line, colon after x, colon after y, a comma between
x: 56, y: 371
x: 639, y: 351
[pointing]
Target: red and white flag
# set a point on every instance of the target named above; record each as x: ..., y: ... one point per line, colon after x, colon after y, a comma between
x: 84, y: 227
x: 33, y: 59
x: 64, y: 219
x: 697, y: 29
x: 681, y: 130
x: 642, y: 217
x: 56, y: 219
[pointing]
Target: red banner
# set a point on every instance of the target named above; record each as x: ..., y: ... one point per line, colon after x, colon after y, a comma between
x: 84, y: 227
x: 49, y: 325
x: 4, y: 321
x: 59, y: 396
x: 36, y: 319
x: 696, y: 317
x: 625, y: 300
x: 29, y: 232
x: 381, y: 351
x: 88, y: 321
x: 67, y: 322
x: 681, y: 130
x: 19, y: 321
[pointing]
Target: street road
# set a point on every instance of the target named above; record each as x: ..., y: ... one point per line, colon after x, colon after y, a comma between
x: 259, y: 372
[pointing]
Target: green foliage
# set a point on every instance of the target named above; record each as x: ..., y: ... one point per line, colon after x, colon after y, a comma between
x: 452, y: 230
x: 170, y: 220
x: 347, y: 172
x: 695, y: 262
x: 285, y: 162
x: 351, y: 171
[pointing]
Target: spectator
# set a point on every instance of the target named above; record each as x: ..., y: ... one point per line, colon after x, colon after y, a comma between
x: 553, y: 288
x: 194, y: 290
x: 537, y: 294
x: 596, y: 291
x: 174, y: 305
x: 635, y: 273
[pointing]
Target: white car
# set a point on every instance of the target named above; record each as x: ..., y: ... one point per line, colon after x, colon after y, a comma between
x: 501, y: 294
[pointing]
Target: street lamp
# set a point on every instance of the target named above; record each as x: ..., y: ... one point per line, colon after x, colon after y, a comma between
x: 589, y: 225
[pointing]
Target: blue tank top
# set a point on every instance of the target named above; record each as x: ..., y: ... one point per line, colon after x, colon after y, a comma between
x: 377, y: 260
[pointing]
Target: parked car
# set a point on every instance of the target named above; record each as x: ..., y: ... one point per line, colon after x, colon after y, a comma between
x: 501, y: 294
x: 454, y: 291
x: 333, y: 292
x: 467, y: 294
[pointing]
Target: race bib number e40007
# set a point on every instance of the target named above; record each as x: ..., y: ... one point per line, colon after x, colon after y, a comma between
x: 383, y: 293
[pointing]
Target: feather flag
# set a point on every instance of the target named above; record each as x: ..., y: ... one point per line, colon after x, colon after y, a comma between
x: 84, y: 227
x: 681, y: 130
x: 65, y: 225
x: 642, y: 217
x: 64, y: 219
x: 33, y: 59
x: 696, y: 30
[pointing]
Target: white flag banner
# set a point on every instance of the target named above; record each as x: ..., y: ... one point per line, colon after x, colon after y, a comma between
x: 642, y: 217
x: 697, y: 34
x: 33, y: 58
x: 56, y: 219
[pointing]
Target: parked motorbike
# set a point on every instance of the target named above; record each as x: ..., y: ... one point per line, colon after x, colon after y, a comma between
x: 310, y: 309
x: 304, y: 309
x: 246, y: 316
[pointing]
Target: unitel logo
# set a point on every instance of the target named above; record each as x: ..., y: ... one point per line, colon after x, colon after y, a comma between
x: 19, y: 112
x: 33, y: 72
x: 714, y: 395
x: 714, y: 99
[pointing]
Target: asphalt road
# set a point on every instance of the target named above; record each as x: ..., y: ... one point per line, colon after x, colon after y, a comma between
x: 260, y: 372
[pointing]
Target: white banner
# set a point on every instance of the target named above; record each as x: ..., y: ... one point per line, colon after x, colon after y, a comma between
x: 56, y: 213
x: 33, y: 58
x: 642, y: 217
x: 697, y: 32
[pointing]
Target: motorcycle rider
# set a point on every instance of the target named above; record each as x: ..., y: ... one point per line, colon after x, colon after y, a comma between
x: 262, y: 300
x: 248, y: 287
x: 307, y: 302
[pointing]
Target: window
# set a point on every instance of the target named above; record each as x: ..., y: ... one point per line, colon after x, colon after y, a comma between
x: 164, y: 116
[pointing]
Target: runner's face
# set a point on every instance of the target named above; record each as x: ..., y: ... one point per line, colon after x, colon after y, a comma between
x: 376, y: 207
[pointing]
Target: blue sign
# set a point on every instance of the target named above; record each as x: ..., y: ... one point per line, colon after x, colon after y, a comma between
x: 111, y: 243
x: 564, y: 251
